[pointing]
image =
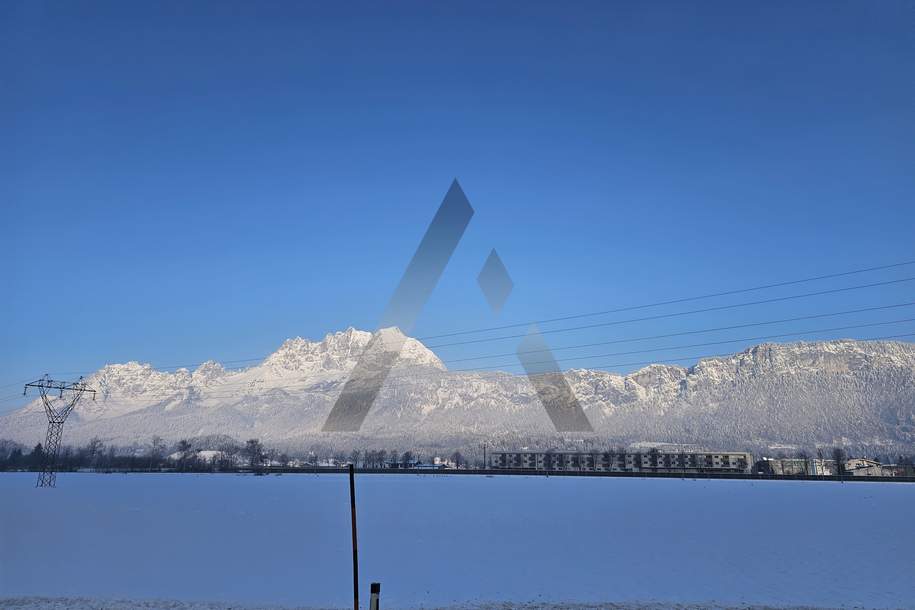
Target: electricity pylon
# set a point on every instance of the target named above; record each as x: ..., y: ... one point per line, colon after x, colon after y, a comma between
x: 56, y: 418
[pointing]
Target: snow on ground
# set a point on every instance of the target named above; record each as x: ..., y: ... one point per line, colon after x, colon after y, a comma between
x: 467, y: 542
x: 69, y: 603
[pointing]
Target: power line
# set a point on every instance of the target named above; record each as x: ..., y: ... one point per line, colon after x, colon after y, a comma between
x: 617, y: 310
x: 670, y: 301
x: 688, y: 332
x: 705, y: 344
x: 705, y: 356
x: 682, y: 313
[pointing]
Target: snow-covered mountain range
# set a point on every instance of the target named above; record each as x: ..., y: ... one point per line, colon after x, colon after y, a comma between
x: 857, y: 393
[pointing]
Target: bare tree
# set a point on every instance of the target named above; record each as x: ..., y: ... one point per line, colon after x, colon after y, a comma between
x: 156, y: 451
x: 838, y: 455
x: 94, y: 451
x: 111, y: 457
x: 803, y: 455
x: 458, y: 459
x: 255, y: 453
x: 185, y: 454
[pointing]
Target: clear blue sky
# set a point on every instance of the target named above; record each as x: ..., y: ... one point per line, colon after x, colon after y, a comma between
x: 184, y: 181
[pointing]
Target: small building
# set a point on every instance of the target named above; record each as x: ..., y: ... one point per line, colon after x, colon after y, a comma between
x: 857, y: 467
x: 785, y: 466
x: 822, y: 467
x: 424, y: 466
x: 898, y: 470
x: 398, y: 463
x: 443, y: 462
x: 863, y: 467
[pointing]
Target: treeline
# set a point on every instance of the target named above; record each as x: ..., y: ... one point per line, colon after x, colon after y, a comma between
x: 95, y: 455
x: 191, y: 456
x: 224, y: 454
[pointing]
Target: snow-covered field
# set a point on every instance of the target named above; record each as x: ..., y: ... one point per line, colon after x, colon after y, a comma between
x: 455, y: 541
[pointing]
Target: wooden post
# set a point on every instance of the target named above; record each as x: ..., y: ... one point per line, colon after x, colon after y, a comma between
x: 374, y: 600
x: 352, y: 506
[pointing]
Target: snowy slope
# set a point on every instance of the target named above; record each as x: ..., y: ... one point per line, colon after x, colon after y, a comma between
x: 852, y: 392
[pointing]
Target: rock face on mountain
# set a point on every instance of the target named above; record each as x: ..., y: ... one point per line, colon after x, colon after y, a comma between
x: 856, y: 393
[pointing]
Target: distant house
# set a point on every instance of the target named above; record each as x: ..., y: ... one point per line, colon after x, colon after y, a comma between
x: 443, y: 462
x: 784, y: 466
x: 422, y: 466
x: 857, y: 467
x: 210, y: 456
x: 864, y: 467
x: 400, y: 464
x: 822, y: 467
x: 898, y: 470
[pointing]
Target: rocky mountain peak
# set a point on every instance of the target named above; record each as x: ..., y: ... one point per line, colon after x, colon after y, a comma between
x: 340, y: 351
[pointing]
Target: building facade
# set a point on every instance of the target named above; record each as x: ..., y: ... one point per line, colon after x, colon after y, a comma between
x: 615, y: 461
x: 791, y: 466
x: 857, y: 467
x: 863, y: 467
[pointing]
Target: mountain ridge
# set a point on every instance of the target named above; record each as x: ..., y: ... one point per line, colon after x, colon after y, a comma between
x: 856, y: 393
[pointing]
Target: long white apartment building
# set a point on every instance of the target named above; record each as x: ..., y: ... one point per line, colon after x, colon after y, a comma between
x: 615, y: 461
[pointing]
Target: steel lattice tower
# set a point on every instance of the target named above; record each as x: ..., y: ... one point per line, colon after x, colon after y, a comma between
x: 68, y: 394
